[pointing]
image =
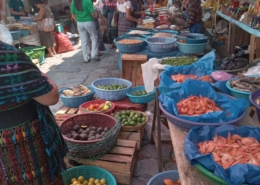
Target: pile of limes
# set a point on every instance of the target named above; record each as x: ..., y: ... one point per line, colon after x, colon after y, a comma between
x: 130, y: 118
x: 139, y: 93
x: 91, y: 181
x: 112, y: 87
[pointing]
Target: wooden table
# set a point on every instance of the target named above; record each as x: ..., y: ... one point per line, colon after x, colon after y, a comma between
x: 190, y: 175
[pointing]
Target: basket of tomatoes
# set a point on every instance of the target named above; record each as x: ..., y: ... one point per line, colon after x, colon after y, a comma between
x: 97, y: 106
x: 131, y: 120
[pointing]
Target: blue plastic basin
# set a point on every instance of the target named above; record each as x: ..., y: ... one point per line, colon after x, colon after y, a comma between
x: 196, y: 39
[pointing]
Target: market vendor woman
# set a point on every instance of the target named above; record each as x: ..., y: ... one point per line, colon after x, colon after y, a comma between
x: 193, y: 16
x: 17, y: 9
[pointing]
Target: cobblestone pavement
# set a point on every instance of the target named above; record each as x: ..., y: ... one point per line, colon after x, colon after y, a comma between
x: 69, y: 69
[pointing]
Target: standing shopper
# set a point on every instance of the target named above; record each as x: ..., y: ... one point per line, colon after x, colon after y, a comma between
x: 83, y: 12
x: 46, y: 38
x: 193, y: 16
x: 126, y: 19
x: 110, y: 6
x: 32, y: 147
x: 98, y: 18
x: 17, y: 9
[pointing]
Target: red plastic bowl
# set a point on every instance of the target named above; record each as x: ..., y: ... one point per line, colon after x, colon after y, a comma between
x: 83, y: 107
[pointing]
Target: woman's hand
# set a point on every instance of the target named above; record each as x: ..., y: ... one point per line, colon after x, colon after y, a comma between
x: 140, y: 22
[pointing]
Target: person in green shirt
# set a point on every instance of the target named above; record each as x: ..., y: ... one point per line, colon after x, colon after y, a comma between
x: 82, y: 11
x: 17, y: 9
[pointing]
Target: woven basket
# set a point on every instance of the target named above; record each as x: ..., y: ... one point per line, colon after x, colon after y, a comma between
x: 137, y: 127
x: 95, y: 148
x: 83, y: 107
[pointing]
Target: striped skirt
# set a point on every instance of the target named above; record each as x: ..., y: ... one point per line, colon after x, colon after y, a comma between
x: 124, y: 25
x: 23, y: 159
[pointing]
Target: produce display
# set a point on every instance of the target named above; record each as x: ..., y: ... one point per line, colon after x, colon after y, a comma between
x: 139, y: 93
x: 91, y: 181
x: 246, y: 83
x: 232, y: 150
x: 171, y: 182
x: 87, y: 133
x: 113, y: 87
x: 100, y: 107
x: 164, y: 26
x: 195, y: 106
x: 177, y: 61
x: 139, y: 32
x: 130, y: 118
x: 257, y: 100
x: 129, y: 41
x: 77, y: 90
x: 149, y: 23
x: 180, y: 78
x: 161, y: 34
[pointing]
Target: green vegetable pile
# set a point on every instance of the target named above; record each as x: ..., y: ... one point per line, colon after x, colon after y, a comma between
x: 139, y: 93
x: 177, y: 61
x: 113, y: 87
x: 130, y: 118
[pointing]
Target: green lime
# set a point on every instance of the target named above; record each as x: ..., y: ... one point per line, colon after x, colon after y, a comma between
x: 134, y: 118
x: 139, y: 120
x: 143, y: 119
x: 132, y: 123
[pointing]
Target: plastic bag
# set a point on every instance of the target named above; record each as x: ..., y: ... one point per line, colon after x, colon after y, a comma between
x: 255, y: 70
x: 31, y: 39
x: 235, y: 175
x: 233, y: 107
x: 63, y: 43
x: 204, y: 66
x: 221, y: 76
x: 5, y: 35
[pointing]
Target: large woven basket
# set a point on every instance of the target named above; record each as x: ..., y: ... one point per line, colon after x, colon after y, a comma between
x: 95, y: 148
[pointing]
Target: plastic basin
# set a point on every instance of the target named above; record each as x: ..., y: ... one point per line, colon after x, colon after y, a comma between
x: 129, y: 48
x: 196, y: 39
x: 25, y: 33
x: 185, y: 35
x: 238, y: 94
x: 111, y: 95
x: 252, y: 99
x: 16, y: 34
x: 191, y: 48
x: 160, y: 44
x: 76, y: 101
x: 158, y: 178
x: 140, y: 99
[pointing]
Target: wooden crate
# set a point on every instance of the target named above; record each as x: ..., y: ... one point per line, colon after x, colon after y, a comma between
x: 131, y: 68
x: 64, y: 113
x: 120, y: 161
x: 133, y: 136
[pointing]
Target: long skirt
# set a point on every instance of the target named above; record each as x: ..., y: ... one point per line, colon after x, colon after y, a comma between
x: 124, y: 25
x: 101, y: 46
x: 47, y: 39
x: 111, y: 31
x: 23, y: 159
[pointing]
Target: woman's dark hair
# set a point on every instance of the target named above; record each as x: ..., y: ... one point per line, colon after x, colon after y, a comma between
x: 38, y: 1
x: 78, y: 5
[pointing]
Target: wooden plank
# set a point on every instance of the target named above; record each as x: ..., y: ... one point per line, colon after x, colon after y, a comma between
x: 126, y: 143
x: 134, y: 136
x: 188, y: 174
x: 252, y: 48
x: 116, y: 158
x: 63, y: 110
x: 133, y: 57
x: 73, y: 111
x: 257, y: 45
x: 122, y: 150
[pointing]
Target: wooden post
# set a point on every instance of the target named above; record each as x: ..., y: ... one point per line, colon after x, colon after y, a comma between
x: 252, y: 48
x: 131, y: 68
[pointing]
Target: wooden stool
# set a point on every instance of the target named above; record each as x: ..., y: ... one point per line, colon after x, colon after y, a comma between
x: 131, y: 68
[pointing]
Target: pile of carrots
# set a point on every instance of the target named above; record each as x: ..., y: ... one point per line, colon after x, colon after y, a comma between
x: 180, y: 78
x: 194, y: 106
